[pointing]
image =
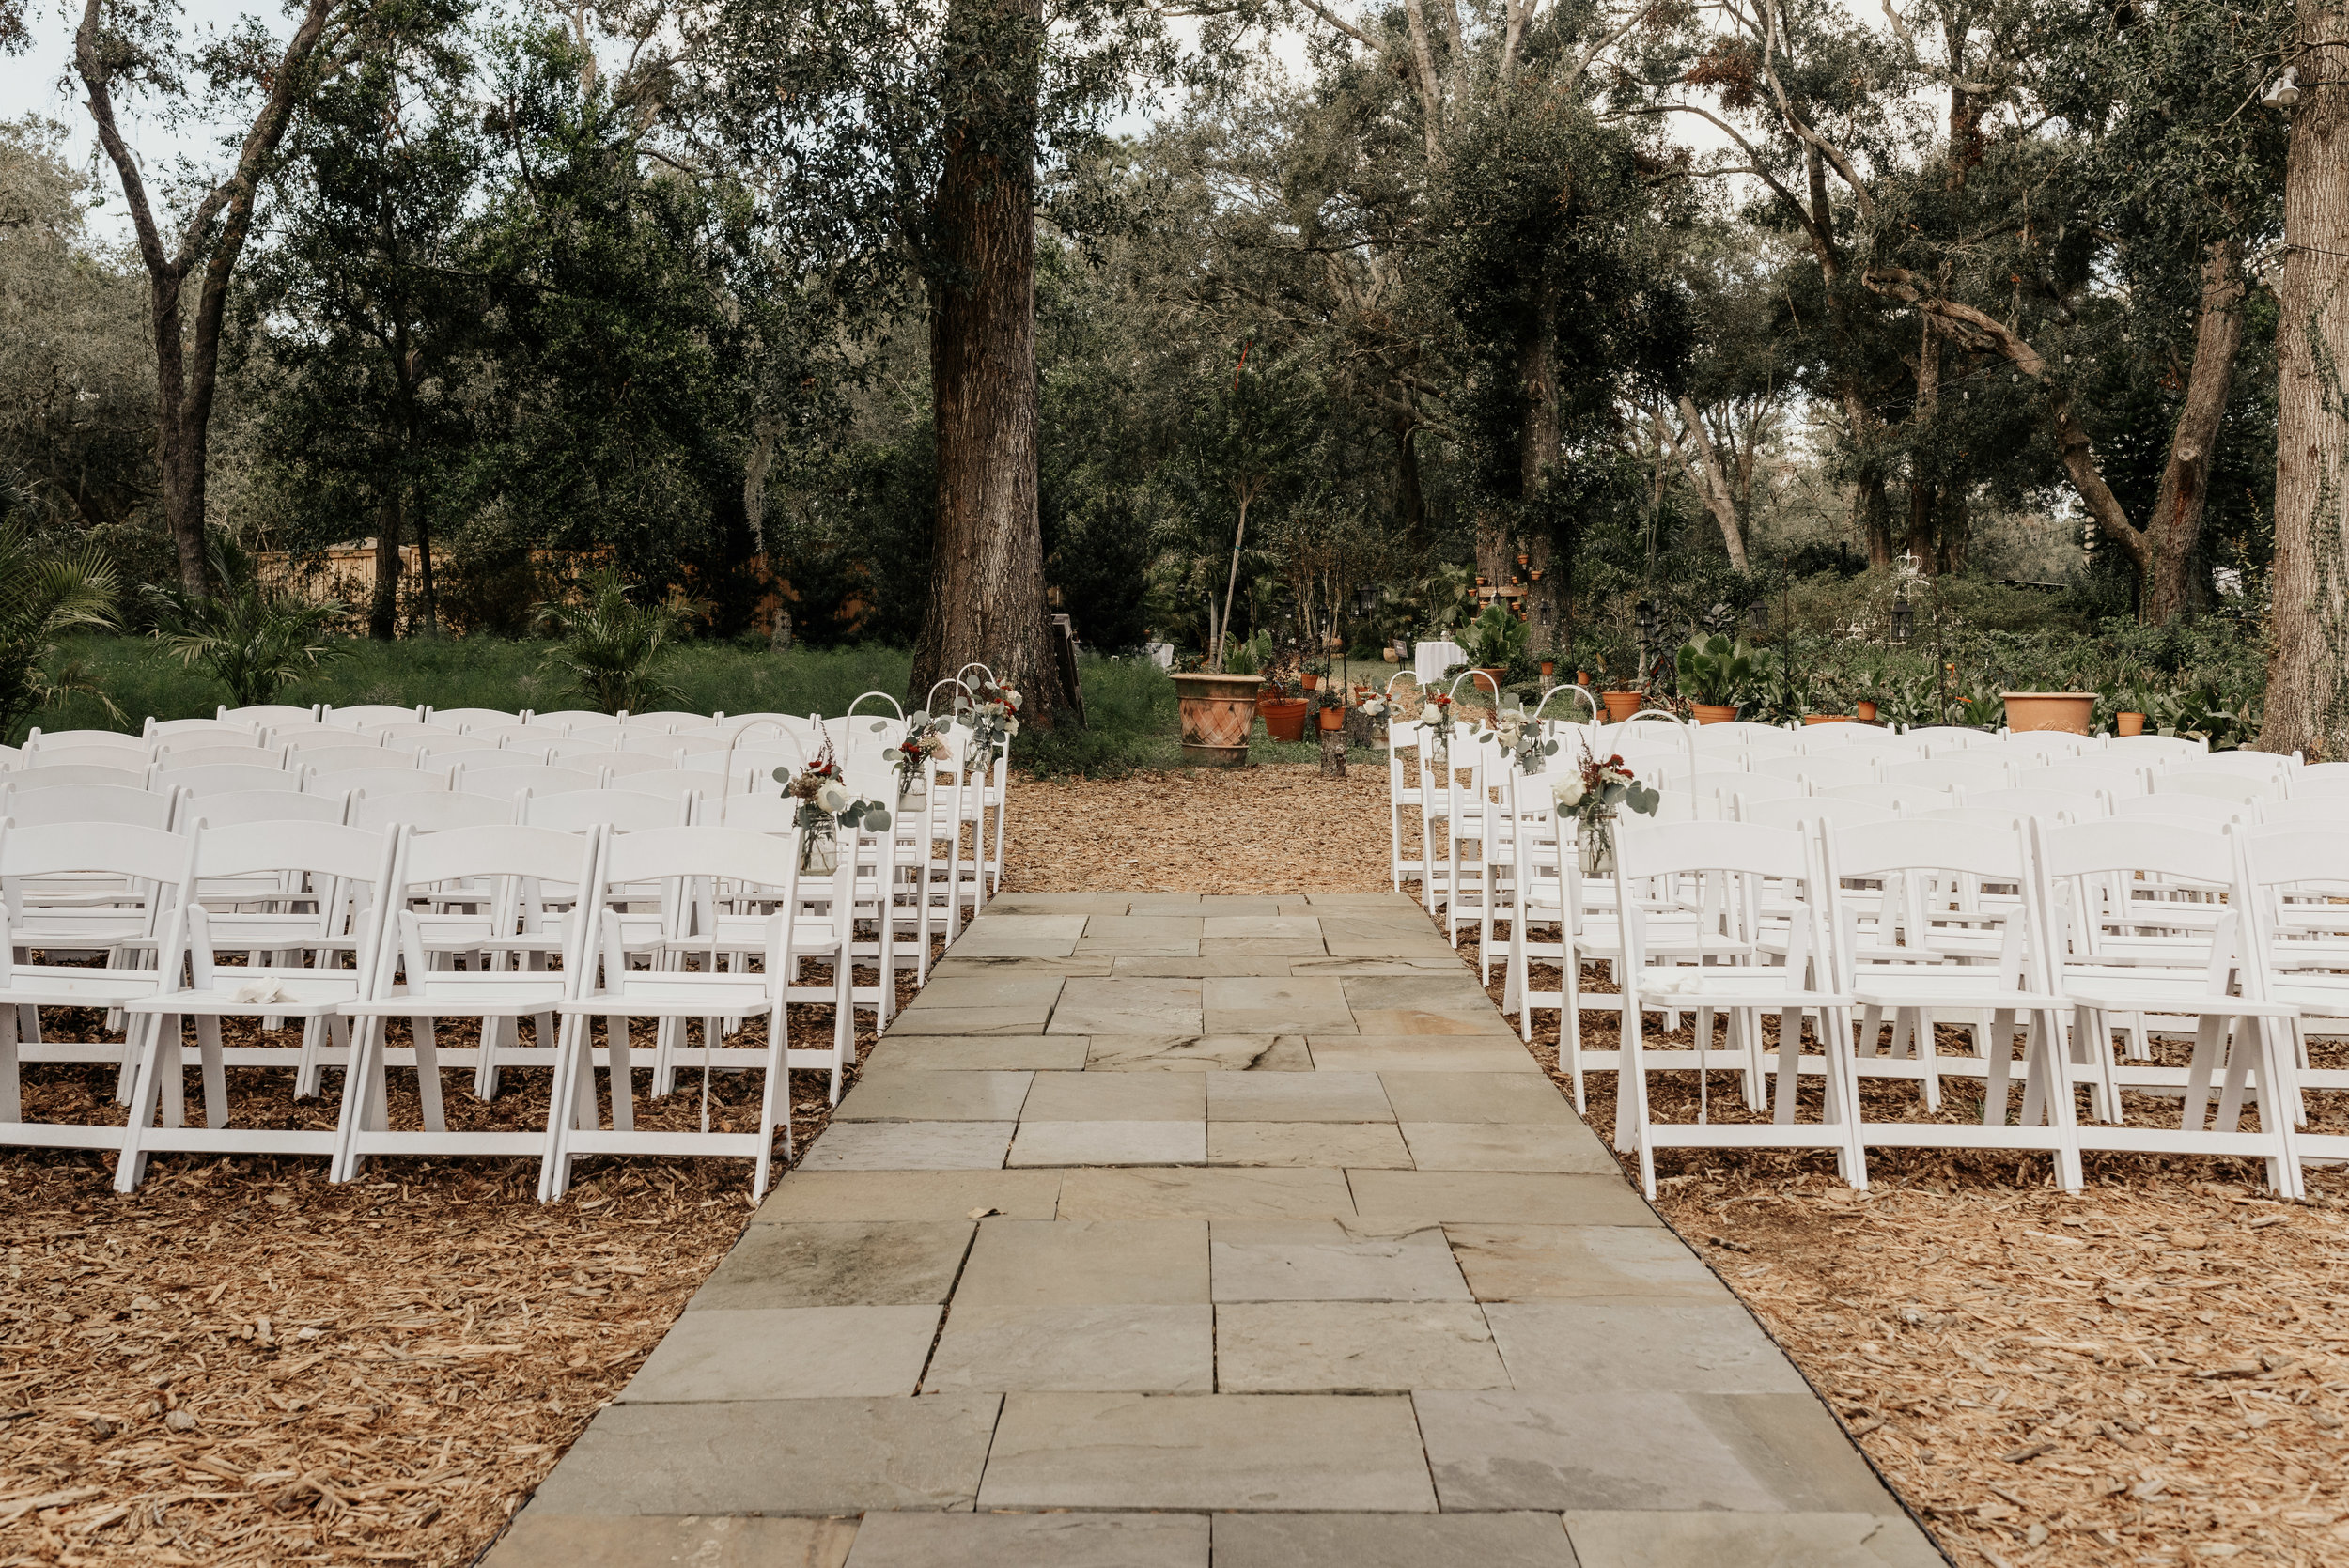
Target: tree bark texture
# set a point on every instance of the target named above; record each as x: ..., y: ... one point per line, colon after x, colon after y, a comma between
x: 986, y: 602
x: 2176, y: 525
x: 187, y: 354
x: 1538, y: 459
x: 1695, y: 450
x: 2308, y: 689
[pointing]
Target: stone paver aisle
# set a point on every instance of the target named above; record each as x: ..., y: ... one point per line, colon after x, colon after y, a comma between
x: 1166, y: 1231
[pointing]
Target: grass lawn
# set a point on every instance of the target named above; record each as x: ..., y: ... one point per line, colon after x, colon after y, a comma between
x: 1130, y: 703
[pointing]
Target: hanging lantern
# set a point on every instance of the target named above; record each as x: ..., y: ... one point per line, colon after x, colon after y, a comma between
x: 1903, y: 620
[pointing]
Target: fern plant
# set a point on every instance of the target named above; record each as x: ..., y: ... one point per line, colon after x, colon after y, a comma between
x: 252, y: 637
x: 612, y: 647
x: 41, y: 597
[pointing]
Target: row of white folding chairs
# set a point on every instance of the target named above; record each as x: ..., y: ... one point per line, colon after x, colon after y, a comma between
x: 1743, y: 953
x: 345, y: 871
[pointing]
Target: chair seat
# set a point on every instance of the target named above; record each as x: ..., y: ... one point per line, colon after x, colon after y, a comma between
x: 675, y: 997
x: 2151, y: 991
x: 312, y: 994
x: 1946, y: 985
x: 77, y: 987
x: 505, y: 994
x: 1692, y: 987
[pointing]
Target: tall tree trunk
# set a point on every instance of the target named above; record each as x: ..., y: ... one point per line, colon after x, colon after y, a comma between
x: 2177, y: 524
x: 1410, y: 499
x: 428, y: 612
x: 2308, y: 677
x: 383, y: 609
x: 987, y: 574
x: 1921, y: 489
x: 1537, y: 460
x: 1705, y: 475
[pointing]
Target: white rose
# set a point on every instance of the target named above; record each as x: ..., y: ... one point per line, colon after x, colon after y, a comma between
x: 1431, y: 714
x: 1508, y: 736
x: 1566, y: 789
x: 832, y: 798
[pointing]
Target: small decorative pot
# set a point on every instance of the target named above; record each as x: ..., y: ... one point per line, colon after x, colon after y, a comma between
x: 1583, y: 677
x: 1550, y: 668
x: 1331, y: 717
x: 1309, y: 680
x: 1867, y: 712
x: 1284, y: 719
x: 1714, y: 713
x: 2130, y: 723
x: 1827, y: 717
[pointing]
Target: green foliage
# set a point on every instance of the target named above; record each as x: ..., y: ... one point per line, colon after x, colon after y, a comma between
x: 614, y: 648
x: 253, y: 638
x: 1720, y: 671
x: 43, y: 596
x: 1496, y: 639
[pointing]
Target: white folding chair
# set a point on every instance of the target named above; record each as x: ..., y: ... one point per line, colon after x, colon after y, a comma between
x: 236, y: 807
x: 612, y: 990
x: 229, y: 778
x: 370, y: 715
x: 1735, y: 863
x: 471, y: 720
x: 274, y: 715
x: 32, y: 774
x: 498, y: 996
x: 341, y: 871
x: 147, y: 869
x: 378, y: 780
x: 91, y: 803
x: 335, y: 759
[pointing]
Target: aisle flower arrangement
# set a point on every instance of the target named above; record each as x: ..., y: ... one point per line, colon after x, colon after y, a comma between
x: 1439, y: 717
x: 1522, y: 738
x: 993, y: 715
x: 825, y: 804
x: 1593, y: 794
x: 913, y: 757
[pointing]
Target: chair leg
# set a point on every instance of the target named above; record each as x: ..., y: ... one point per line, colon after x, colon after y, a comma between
x: 215, y: 1074
x: 131, y: 1164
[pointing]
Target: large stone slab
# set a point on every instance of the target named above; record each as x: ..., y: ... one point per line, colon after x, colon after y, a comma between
x: 909, y: 1145
x: 970, y: 1053
x: 1505, y: 1449
x: 1391, y: 1540
x: 1031, y: 1540
x: 954, y: 965
x: 1237, y: 1452
x: 1503, y: 1097
x: 1233, y: 1193
x: 1273, y: 1005
x: 787, y: 1353
x: 1336, y: 1144
x: 1174, y: 967
x: 776, y: 1456
x: 1109, y: 1143
x: 1353, y: 1347
x: 935, y: 1098
x: 1261, y: 936
x: 1644, y: 1346
x: 1568, y: 1147
x: 1129, y: 935
x: 542, y: 1539
x: 901, y: 1195
x: 1443, y: 1196
x: 1423, y: 1053
x: 1123, y: 1005
x: 1525, y: 1263
x: 1329, y: 1260
x: 1080, y: 1262
x: 1640, y: 1540
x: 1099, y: 1349
x: 1117, y: 1097
x: 857, y: 1264
x: 1316, y: 1096
x: 1211, y: 1053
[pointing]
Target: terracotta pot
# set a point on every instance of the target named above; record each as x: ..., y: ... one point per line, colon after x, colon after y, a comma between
x: 1498, y: 674
x: 1714, y: 713
x: 1393, y: 657
x: 1215, y: 713
x: 1622, y: 705
x: 1827, y: 717
x: 1583, y: 677
x: 2130, y: 723
x: 1309, y: 680
x: 1550, y: 668
x: 2069, y: 711
x: 1284, y: 719
x: 1331, y: 717
x: 1867, y: 712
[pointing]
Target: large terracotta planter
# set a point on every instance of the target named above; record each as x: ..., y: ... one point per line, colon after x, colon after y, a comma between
x: 2130, y: 723
x: 1216, y: 714
x: 1285, y: 719
x: 1827, y: 717
x: 1495, y: 674
x: 2068, y: 711
x: 1622, y: 705
x: 1714, y: 713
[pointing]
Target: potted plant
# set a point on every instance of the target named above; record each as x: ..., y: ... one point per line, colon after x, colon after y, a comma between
x: 1217, y: 706
x: 1716, y: 675
x: 1493, y: 640
x: 1330, y: 710
x: 2132, y: 704
x: 2069, y: 711
x: 1867, y: 711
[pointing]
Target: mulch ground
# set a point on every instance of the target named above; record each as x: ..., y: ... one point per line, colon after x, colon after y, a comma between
x: 241, y: 1364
